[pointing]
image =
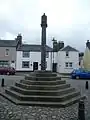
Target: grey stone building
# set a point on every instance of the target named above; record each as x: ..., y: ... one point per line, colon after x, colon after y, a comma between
x: 8, y: 51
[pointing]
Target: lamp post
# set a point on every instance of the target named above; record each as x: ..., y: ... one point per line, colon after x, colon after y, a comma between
x: 54, y: 41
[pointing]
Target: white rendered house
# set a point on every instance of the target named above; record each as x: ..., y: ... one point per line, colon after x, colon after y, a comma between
x: 29, y: 58
x: 67, y: 60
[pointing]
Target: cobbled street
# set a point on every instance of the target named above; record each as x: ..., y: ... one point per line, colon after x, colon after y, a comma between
x: 10, y: 111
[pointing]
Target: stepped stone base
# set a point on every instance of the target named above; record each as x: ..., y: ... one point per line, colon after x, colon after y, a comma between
x: 42, y: 88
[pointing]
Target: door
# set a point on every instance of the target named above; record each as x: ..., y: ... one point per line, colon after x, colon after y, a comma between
x: 35, y: 66
x: 54, y: 67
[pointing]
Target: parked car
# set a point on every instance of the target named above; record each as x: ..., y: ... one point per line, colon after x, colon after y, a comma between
x: 7, y: 71
x: 80, y: 74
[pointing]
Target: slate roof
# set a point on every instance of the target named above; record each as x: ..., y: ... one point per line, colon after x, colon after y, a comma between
x: 7, y: 43
x: 24, y: 47
x: 34, y: 48
x: 69, y: 48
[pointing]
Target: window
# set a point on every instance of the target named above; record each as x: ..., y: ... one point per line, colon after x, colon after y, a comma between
x: 70, y: 64
x: 4, y: 63
x: 67, y: 54
x: 25, y: 54
x: 66, y: 64
x: 7, y: 52
x: 25, y: 64
x: 47, y: 54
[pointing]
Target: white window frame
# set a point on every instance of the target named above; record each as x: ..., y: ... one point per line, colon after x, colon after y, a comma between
x: 24, y: 55
x: 28, y: 64
x: 68, y: 64
x: 7, y: 51
x: 4, y: 63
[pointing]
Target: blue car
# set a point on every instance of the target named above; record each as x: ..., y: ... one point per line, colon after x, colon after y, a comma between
x: 80, y: 74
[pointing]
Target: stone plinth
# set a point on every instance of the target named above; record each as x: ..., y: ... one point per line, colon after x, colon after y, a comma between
x: 42, y: 88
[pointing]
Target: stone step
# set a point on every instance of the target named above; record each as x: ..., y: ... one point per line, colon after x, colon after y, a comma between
x: 37, y: 98
x: 42, y: 78
x: 42, y: 71
x: 43, y: 74
x: 34, y: 82
x: 42, y: 92
x: 43, y: 104
x: 42, y: 87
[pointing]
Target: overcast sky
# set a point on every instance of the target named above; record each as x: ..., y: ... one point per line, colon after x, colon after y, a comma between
x: 68, y: 20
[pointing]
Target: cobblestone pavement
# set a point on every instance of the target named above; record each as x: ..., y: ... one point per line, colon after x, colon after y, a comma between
x: 80, y: 84
x: 10, y: 111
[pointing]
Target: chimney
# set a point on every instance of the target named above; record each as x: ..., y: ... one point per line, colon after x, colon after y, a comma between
x: 60, y: 45
x: 81, y: 54
x: 18, y: 41
x: 55, y: 45
x: 87, y: 43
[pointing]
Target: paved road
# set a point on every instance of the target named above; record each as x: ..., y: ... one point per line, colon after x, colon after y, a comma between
x: 80, y: 85
x: 10, y: 80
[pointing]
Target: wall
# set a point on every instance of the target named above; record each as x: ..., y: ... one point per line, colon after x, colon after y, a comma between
x: 55, y: 57
x: 61, y: 59
x: 49, y: 62
x: 34, y: 57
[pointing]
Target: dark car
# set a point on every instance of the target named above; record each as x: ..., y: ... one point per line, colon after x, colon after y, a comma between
x: 7, y: 71
x: 80, y: 74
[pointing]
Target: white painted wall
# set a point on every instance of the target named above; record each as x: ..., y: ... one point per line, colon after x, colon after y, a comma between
x: 49, y: 62
x: 19, y: 60
x: 61, y: 59
x: 34, y: 57
x: 55, y: 57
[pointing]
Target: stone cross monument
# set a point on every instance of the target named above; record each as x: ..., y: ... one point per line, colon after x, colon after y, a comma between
x: 43, y: 41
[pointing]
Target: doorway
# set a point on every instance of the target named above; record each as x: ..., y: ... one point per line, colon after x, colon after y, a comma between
x: 35, y: 66
x: 54, y: 67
